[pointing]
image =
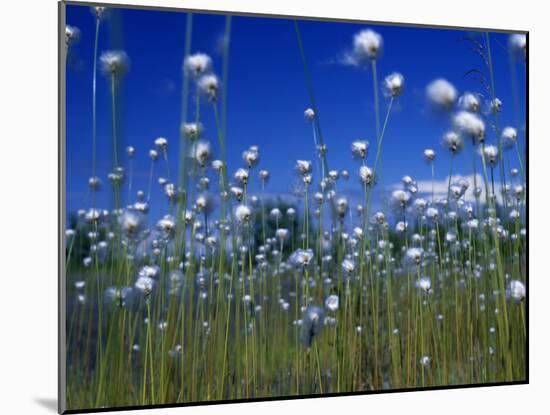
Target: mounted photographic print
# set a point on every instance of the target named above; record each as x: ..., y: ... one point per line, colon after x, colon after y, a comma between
x: 275, y: 207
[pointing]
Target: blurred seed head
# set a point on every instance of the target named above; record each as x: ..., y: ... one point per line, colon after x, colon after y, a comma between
x: 131, y: 223
x: 441, y: 94
x: 202, y: 152
x: 209, y: 85
x: 517, y: 43
x: 491, y: 155
x: 393, y: 85
x: 429, y: 155
x: 192, y: 131
x: 470, y: 125
x: 241, y: 176
x: 114, y: 62
x: 197, y: 65
x: 366, y: 175
x: 469, y: 102
x: 332, y: 302
x: 425, y: 361
x: 303, y: 167
x: 367, y: 46
x: 94, y: 183
x: 342, y: 207
x: 264, y: 176
x: 453, y: 142
x: 509, y: 137
x: 517, y: 290
x: 243, y: 214
x: 359, y: 149
x: 400, y: 199
x: 425, y: 285
x: 204, y: 203
x: 414, y: 256
x: 495, y: 105
x: 145, y: 285
x: 161, y: 144
x: 301, y: 258
x: 99, y: 11
x: 312, y: 323
x: 291, y: 213
x: 176, y: 281
x: 72, y: 35
x: 251, y: 157
x: 217, y: 166
x: 348, y: 266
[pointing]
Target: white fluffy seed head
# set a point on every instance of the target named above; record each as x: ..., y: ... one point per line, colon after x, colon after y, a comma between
x: 332, y: 302
x: 453, y: 142
x: 366, y: 175
x: 204, y: 203
x: 491, y: 155
x: 264, y: 176
x: 425, y: 284
x: 217, y: 165
x: 509, y: 137
x: 161, y: 144
x: 517, y: 43
x: 414, y: 255
x: 202, y: 152
x: 342, y: 206
x: 348, y: 266
x: 469, y: 102
x: 432, y: 213
x: 275, y: 214
x: 209, y: 85
x: 359, y: 149
x: 470, y: 125
x: 72, y: 35
x: 281, y: 234
x: 495, y: 105
x: 394, y: 84
x: 442, y: 94
x: 131, y: 222
x: 517, y: 290
x: 429, y: 154
x: 301, y: 258
x: 425, y: 361
x: 114, y: 62
x: 94, y: 183
x: 243, y: 214
x: 197, y: 65
x: 145, y: 285
x: 99, y: 11
x: 192, y: 131
x: 241, y: 175
x: 251, y: 156
x: 400, y: 199
x: 303, y: 167
x: 367, y: 45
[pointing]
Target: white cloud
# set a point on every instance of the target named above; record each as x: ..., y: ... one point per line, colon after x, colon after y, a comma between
x: 348, y: 59
x: 440, y: 187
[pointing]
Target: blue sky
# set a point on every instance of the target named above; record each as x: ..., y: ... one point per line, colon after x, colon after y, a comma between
x: 267, y: 94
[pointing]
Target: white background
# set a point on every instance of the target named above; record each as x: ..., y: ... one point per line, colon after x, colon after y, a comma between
x: 28, y: 203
